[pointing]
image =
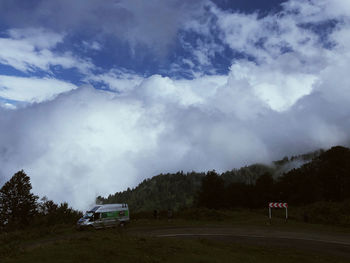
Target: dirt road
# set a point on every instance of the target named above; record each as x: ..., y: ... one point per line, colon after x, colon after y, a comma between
x: 320, y: 243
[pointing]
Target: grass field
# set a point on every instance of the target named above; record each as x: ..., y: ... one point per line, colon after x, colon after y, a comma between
x: 65, y: 244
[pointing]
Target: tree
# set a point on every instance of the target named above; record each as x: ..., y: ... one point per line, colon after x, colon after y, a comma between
x: 50, y: 213
x: 18, y: 205
x: 211, y: 194
x: 239, y: 195
x: 264, y: 190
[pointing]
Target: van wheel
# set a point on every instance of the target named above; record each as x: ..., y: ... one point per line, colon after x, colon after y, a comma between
x: 121, y: 224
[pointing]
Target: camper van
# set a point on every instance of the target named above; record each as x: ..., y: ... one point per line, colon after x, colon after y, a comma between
x: 101, y: 216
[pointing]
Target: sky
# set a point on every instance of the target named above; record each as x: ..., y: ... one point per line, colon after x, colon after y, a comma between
x: 96, y: 96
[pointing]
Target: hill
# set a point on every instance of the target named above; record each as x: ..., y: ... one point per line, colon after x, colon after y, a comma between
x: 303, y: 179
x: 325, y: 178
x: 160, y: 192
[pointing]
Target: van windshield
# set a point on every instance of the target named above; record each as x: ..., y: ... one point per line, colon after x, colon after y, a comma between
x: 88, y: 214
x: 95, y: 208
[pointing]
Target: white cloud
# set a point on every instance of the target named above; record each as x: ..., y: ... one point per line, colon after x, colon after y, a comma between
x: 116, y: 80
x: 7, y: 105
x: 31, y: 89
x: 179, y: 92
x: 319, y: 10
x: 159, y: 88
x: 36, y: 37
x: 85, y: 144
x: 92, y: 45
x: 267, y: 38
x: 280, y: 90
x: 30, y: 49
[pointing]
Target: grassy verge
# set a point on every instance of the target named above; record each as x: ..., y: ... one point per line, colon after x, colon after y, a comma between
x: 112, y: 246
x: 12, y: 243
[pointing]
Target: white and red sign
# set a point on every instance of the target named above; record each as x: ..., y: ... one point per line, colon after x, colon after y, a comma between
x: 278, y: 205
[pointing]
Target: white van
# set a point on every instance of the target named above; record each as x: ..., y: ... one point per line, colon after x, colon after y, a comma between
x: 101, y: 216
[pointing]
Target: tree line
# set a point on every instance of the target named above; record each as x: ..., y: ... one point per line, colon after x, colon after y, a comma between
x: 325, y: 179
x: 179, y: 190
x: 324, y: 176
x: 20, y: 208
x: 164, y: 191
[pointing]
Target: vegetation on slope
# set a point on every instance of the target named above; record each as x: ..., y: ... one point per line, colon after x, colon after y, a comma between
x: 317, y: 187
x: 177, y: 191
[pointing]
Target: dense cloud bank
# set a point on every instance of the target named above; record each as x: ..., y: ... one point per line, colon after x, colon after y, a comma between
x: 289, y: 96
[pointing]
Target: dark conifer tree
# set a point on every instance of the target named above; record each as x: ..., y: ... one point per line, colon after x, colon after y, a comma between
x: 18, y: 205
x: 212, y: 192
x: 263, y: 190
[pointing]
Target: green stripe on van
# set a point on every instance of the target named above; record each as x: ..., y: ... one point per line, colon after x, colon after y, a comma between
x: 115, y: 214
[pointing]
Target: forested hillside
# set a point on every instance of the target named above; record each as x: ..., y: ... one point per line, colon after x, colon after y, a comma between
x: 326, y: 178
x: 182, y: 190
x: 162, y: 192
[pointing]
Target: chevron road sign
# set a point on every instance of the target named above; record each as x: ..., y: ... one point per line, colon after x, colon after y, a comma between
x: 278, y: 205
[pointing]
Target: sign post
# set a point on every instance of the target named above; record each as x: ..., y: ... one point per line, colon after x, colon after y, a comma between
x: 277, y: 205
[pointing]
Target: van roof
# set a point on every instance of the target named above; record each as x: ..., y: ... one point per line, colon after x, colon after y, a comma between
x: 109, y: 207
